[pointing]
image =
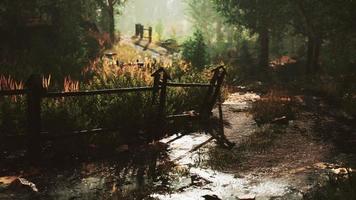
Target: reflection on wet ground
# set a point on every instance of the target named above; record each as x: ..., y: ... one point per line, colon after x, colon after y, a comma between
x: 126, y: 175
x: 212, y: 182
x: 203, y: 180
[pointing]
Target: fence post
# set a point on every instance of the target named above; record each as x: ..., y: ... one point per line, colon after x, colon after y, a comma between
x: 221, y: 116
x: 163, y: 94
x: 219, y: 75
x: 205, y: 107
x: 156, y: 79
x: 141, y: 31
x: 150, y: 34
x: 137, y: 29
x: 34, y: 97
x: 160, y: 85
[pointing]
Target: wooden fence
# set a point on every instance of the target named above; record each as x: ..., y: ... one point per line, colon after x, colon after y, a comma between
x: 139, y: 32
x: 35, y: 93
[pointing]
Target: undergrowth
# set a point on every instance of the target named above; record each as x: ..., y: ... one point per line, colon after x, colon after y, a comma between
x: 132, y: 114
x: 273, y: 107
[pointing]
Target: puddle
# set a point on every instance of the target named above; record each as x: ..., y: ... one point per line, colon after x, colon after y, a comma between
x: 224, y: 185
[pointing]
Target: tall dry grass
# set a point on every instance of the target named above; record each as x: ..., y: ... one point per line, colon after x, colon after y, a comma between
x: 9, y: 83
x: 275, y: 105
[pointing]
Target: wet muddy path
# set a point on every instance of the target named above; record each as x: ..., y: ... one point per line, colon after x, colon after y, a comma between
x: 286, y: 167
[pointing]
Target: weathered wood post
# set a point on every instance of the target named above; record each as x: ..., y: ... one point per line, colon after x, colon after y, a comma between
x: 156, y: 79
x: 150, y: 34
x: 208, y: 97
x: 219, y: 75
x: 221, y: 116
x: 141, y: 31
x: 137, y: 29
x: 160, y: 84
x: 34, y: 98
x: 163, y: 93
x: 162, y: 104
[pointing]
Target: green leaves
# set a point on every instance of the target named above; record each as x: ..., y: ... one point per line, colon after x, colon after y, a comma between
x: 195, y: 52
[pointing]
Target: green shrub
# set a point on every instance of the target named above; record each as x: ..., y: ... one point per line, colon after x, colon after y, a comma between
x: 195, y: 51
x: 12, y: 116
x: 130, y: 114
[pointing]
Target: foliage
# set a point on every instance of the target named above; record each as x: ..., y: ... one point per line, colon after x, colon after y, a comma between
x: 273, y: 108
x: 204, y: 17
x: 222, y: 158
x: 159, y: 29
x: 259, y: 17
x: 51, y: 37
x: 131, y: 115
x: 12, y: 115
x: 336, y: 186
x: 195, y: 52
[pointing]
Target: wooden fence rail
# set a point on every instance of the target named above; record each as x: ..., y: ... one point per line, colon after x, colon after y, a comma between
x: 188, y: 85
x: 35, y: 93
x: 12, y: 92
x: 96, y: 92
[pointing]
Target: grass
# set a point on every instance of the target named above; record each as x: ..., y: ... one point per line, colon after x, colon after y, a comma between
x: 336, y: 187
x: 221, y: 158
x: 258, y: 143
x: 272, y: 107
x: 132, y: 114
x: 262, y: 139
x: 9, y: 83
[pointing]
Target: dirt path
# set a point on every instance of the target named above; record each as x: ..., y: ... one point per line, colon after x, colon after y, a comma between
x: 226, y: 183
x: 270, y: 161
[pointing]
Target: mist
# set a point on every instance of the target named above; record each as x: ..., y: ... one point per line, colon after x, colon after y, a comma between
x: 170, y: 14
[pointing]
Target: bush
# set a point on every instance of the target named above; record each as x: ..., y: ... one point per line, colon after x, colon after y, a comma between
x: 275, y: 106
x: 194, y: 51
x: 131, y: 114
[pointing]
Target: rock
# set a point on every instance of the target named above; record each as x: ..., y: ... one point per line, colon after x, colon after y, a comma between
x: 320, y: 165
x: 340, y: 171
x: 211, y: 197
x: 21, y: 183
x: 280, y: 120
x: 247, y: 197
x: 7, y: 180
x: 196, y: 180
x: 17, y: 184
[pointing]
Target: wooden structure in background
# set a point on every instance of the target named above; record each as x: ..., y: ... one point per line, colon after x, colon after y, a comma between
x: 140, y: 32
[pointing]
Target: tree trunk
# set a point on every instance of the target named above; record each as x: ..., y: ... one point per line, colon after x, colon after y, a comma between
x: 264, y: 48
x: 111, y: 21
x: 313, y: 54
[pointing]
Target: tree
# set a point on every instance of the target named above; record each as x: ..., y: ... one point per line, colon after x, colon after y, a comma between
x: 321, y: 21
x: 194, y: 51
x: 205, y: 18
x: 307, y: 23
x: 109, y: 6
x: 159, y: 28
x: 45, y: 36
x: 259, y: 17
